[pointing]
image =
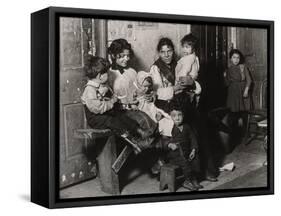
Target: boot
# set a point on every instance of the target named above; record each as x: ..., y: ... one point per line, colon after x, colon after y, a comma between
x: 196, y: 184
x: 157, y: 166
x: 188, y: 185
x: 211, y: 178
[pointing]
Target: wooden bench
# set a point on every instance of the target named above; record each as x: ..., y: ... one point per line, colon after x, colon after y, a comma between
x: 108, y: 162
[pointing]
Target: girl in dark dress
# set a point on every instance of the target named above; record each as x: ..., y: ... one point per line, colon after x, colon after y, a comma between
x: 238, y: 80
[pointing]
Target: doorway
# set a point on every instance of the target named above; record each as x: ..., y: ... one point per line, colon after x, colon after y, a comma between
x: 212, y: 53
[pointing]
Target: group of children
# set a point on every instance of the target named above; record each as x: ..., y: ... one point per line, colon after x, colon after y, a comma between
x: 105, y: 108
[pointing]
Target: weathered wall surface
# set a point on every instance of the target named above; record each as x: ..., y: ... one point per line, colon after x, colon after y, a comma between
x: 144, y: 37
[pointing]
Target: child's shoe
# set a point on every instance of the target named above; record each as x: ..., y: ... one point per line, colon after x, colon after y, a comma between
x: 132, y: 141
x: 196, y: 184
x: 188, y: 185
x: 211, y: 178
x: 157, y: 166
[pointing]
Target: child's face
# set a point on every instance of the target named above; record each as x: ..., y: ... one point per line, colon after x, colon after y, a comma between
x: 187, y: 49
x: 123, y: 58
x: 147, y: 86
x: 177, y: 117
x: 102, y: 78
x: 235, y: 59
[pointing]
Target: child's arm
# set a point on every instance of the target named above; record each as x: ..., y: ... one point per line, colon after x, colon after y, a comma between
x: 164, y: 142
x: 103, y: 90
x: 227, y: 81
x: 198, y: 67
x: 193, y: 143
x: 173, y: 146
x: 94, y: 104
x: 198, y: 88
x: 184, y: 66
x: 192, y: 138
x: 248, y: 82
x: 166, y: 115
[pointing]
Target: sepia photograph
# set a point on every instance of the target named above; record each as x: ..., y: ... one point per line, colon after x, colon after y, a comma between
x: 151, y: 107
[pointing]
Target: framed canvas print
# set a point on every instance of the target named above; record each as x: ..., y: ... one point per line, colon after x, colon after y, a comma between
x: 140, y: 107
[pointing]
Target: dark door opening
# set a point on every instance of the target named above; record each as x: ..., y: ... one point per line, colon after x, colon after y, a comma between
x: 212, y: 52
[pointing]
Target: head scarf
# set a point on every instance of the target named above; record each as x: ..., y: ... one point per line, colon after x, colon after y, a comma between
x: 168, y: 71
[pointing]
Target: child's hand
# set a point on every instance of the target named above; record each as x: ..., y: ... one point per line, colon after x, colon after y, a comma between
x: 158, y: 116
x: 192, y: 155
x: 103, y: 90
x: 134, y: 107
x: 114, y: 99
x: 178, y: 92
x: 178, y: 88
x: 172, y: 146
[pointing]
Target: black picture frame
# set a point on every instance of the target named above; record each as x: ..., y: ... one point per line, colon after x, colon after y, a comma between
x: 45, y: 100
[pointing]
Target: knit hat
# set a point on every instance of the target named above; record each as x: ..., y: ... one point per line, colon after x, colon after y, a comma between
x: 141, y: 76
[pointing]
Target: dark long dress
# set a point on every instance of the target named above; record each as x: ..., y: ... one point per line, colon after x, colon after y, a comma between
x: 237, y: 79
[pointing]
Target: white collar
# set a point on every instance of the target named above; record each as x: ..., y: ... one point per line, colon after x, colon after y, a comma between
x: 93, y: 83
